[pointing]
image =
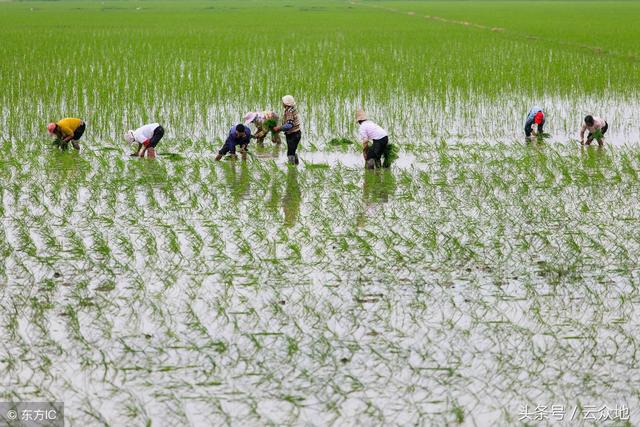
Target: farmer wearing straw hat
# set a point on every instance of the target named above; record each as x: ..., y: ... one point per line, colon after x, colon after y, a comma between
x: 291, y: 128
x: 264, y: 122
x: 147, y: 137
x: 67, y: 130
x: 371, y: 132
x: 597, y: 127
x: 535, y: 116
x: 239, y: 135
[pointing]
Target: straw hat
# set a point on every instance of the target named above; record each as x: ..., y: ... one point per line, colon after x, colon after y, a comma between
x: 360, y: 115
x: 250, y: 117
x: 288, y: 101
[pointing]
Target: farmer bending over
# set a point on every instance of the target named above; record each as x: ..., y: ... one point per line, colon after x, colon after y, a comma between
x: 371, y: 132
x: 597, y: 127
x: 67, y: 130
x: 534, y: 117
x: 264, y: 123
x: 239, y: 135
x: 291, y: 128
x: 147, y: 137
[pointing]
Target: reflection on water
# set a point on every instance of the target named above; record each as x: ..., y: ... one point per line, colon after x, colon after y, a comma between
x: 291, y: 199
x: 267, y: 150
x: 238, y: 182
x: 351, y: 159
x: 377, y: 186
x: 596, y: 161
x: 68, y: 167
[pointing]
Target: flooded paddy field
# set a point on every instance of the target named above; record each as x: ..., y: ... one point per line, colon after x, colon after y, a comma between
x: 479, y: 278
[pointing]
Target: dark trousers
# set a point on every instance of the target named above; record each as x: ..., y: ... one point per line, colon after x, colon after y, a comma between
x: 158, y: 133
x: 79, y: 132
x: 230, y: 147
x: 376, y: 149
x: 293, y: 139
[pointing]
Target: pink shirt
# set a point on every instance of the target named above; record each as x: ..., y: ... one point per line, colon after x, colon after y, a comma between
x: 370, y: 131
x: 598, y: 123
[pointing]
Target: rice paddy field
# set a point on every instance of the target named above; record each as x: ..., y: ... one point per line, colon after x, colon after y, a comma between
x: 482, y: 280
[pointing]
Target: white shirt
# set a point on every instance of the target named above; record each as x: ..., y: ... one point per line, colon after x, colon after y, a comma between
x: 370, y: 131
x: 145, y: 132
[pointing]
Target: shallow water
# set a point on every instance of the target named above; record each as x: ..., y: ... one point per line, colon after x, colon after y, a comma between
x: 189, y: 290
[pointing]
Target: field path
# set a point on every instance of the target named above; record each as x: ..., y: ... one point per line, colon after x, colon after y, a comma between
x: 495, y: 29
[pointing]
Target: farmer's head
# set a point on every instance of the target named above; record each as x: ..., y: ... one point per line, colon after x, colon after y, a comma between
x: 361, y: 116
x: 52, y: 128
x: 240, y: 131
x: 128, y: 136
x: 288, y: 101
x: 589, y: 120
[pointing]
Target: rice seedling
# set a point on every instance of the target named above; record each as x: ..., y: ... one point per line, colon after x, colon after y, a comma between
x: 478, y: 274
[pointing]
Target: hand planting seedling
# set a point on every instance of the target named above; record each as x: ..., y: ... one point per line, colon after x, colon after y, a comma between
x: 147, y: 138
x: 264, y: 123
x: 597, y: 127
x: 67, y: 130
x: 239, y: 137
x: 535, y: 117
x: 374, y: 142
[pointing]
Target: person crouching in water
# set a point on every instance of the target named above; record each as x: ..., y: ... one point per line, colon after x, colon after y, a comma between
x: 597, y: 127
x: 239, y: 135
x: 534, y: 117
x: 147, y: 137
x: 371, y: 132
x: 291, y: 128
x: 264, y: 123
x: 67, y: 130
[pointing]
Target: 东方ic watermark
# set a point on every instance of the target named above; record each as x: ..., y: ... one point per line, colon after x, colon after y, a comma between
x: 31, y: 414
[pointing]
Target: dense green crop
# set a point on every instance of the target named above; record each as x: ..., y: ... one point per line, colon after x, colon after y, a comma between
x: 477, y: 275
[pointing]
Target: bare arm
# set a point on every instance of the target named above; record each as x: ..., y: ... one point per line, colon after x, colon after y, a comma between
x: 582, y: 130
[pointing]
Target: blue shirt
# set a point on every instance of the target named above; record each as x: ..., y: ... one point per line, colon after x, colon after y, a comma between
x: 233, y: 140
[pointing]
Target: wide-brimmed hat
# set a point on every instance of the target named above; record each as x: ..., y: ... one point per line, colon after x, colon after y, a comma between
x: 361, y: 115
x: 250, y: 117
x: 288, y: 101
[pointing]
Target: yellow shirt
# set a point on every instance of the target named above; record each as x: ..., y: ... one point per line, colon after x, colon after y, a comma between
x: 69, y: 125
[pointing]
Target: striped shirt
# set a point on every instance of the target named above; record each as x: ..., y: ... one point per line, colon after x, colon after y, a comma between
x: 291, y: 120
